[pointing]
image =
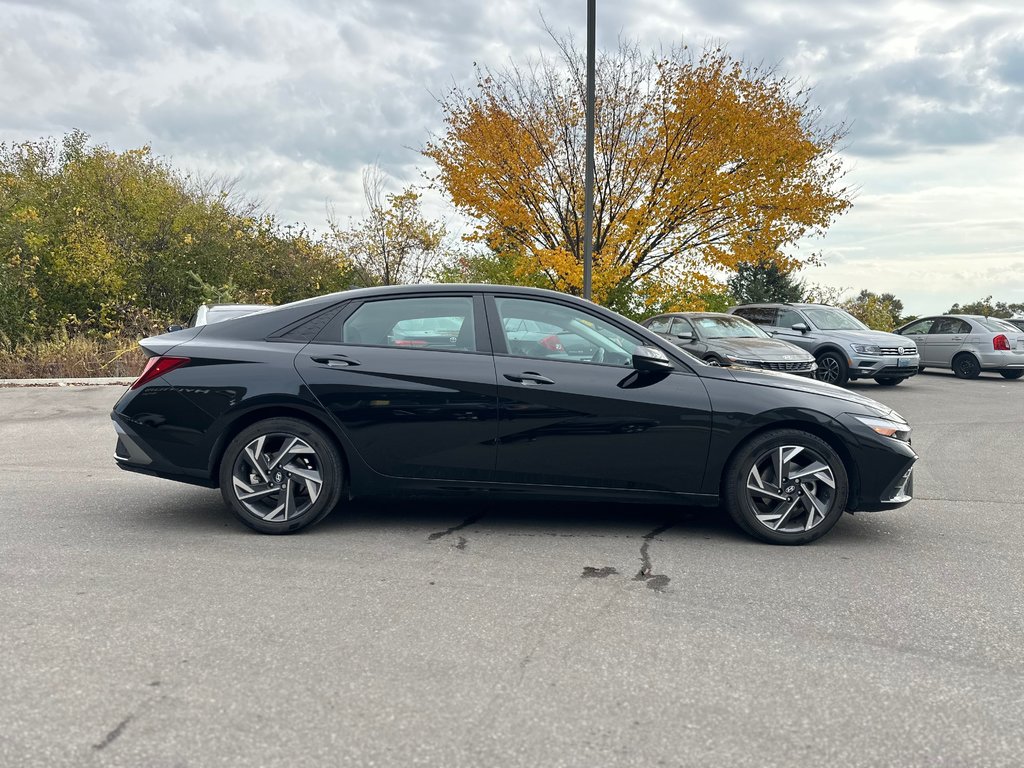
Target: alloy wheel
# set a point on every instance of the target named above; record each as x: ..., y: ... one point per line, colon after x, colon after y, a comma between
x: 277, y: 477
x: 791, y: 489
x: 829, y: 370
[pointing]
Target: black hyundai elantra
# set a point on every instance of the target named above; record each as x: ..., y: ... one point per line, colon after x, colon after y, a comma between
x: 438, y: 389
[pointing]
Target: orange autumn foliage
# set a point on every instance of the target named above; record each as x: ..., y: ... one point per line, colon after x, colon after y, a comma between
x: 701, y: 163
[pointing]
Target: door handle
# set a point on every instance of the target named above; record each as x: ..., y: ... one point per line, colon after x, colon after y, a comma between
x: 958, y: 338
x: 339, y: 361
x: 529, y: 378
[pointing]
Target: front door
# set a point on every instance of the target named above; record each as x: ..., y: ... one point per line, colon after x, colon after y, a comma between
x: 585, y: 418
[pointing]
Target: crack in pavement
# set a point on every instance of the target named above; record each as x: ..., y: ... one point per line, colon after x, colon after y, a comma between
x: 465, y: 523
x: 110, y: 737
x: 655, y: 581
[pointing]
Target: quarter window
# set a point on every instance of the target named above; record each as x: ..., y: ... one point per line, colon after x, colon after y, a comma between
x: 432, y: 323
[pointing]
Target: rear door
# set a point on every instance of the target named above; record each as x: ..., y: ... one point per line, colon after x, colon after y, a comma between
x: 410, y: 381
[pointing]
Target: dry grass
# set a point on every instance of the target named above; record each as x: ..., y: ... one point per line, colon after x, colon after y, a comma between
x: 72, y: 358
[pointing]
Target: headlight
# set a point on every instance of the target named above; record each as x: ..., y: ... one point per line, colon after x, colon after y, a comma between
x: 897, y: 430
x: 866, y: 349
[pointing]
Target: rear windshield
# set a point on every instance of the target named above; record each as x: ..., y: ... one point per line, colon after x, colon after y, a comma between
x: 995, y: 324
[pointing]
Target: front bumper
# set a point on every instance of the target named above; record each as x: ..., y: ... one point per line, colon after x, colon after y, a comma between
x: 887, y: 366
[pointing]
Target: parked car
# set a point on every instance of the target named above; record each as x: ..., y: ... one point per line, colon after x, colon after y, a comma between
x: 969, y: 345
x: 843, y: 347
x: 291, y: 410
x: 1016, y: 322
x: 721, y: 339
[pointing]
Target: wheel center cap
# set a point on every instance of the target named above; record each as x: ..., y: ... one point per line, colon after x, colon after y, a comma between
x: 790, y: 488
x: 278, y: 476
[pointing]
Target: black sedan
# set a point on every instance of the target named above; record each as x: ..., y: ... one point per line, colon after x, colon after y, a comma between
x: 721, y: 339
x: 293, y: 410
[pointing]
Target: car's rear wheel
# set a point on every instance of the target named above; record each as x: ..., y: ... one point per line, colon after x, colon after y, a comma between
x: 887, y: 381
x: 1011, y: 374
x: 832, y: 369
x: 966, y: 366
x: 711, y: 360
x: 281, y: 475
x: 786, y: 487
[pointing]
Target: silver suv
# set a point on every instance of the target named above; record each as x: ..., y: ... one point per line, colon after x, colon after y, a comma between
x: 844, y: 348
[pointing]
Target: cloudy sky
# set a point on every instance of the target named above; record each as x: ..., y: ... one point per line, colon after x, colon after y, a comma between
x: 295, y: 97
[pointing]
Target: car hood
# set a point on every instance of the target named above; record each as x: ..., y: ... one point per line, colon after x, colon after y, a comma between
x: 754, y: 348
x: 881, y: 338
x: 811, y: 386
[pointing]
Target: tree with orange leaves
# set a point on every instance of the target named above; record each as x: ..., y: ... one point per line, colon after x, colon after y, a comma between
x: 701, y: 163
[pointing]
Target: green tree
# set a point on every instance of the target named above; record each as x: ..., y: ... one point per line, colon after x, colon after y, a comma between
x: 99, y: 242
x: 764, y: 280
x: 987, y: 308
x: 883, y: 312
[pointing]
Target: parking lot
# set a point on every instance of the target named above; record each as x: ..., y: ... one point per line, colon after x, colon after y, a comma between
x: 141, y: 625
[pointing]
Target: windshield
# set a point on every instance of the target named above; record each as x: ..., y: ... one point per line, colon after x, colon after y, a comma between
x: 832, y: 319
x: 727, y: 328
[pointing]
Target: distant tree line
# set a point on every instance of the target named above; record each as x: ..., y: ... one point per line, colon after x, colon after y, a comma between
x: 103, y: 243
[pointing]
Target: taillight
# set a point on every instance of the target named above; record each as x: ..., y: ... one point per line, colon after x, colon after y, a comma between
x: 1001, y: 343
x: 158, y: 366
x: 553, y: 343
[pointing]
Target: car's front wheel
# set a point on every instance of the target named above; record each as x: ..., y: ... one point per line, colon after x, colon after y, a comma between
x: 281, y: 475
x: 888, y: 381
x: 832, y: 369
x: 786, y: 487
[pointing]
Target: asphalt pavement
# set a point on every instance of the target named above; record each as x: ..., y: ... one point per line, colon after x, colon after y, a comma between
x: 141, y: 625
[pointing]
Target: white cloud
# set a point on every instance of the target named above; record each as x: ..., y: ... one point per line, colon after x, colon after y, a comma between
x: 295, y: 97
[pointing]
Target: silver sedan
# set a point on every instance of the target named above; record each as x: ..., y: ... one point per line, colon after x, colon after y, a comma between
x: 968, y: 344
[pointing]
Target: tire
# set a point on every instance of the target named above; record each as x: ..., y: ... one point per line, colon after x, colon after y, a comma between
x: 769, y: 515
x: 966, y: 366
x: 711, y: 360
x: 888, y: 381
x: 832, y: 369
x: 1011, y: 374
x: 292, y: 490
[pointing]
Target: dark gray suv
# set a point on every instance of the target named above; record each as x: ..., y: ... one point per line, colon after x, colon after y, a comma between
x: 844, y: 348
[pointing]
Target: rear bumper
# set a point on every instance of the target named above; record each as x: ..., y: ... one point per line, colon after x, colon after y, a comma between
x: 1001, y: 360
x: 133, y: 454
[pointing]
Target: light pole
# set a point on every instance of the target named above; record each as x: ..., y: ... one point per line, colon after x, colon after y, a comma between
x: 588, y: 183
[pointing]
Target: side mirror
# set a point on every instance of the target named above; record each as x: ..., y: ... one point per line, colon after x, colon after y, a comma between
x: 802, y: 327
x: 173, y: 328
x: 651, y: 359
x: 685, y: 336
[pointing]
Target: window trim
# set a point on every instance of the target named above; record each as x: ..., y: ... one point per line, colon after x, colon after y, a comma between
x: 331, y: 334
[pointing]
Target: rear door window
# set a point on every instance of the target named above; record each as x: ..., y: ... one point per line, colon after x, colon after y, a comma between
x: 757, y: 315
